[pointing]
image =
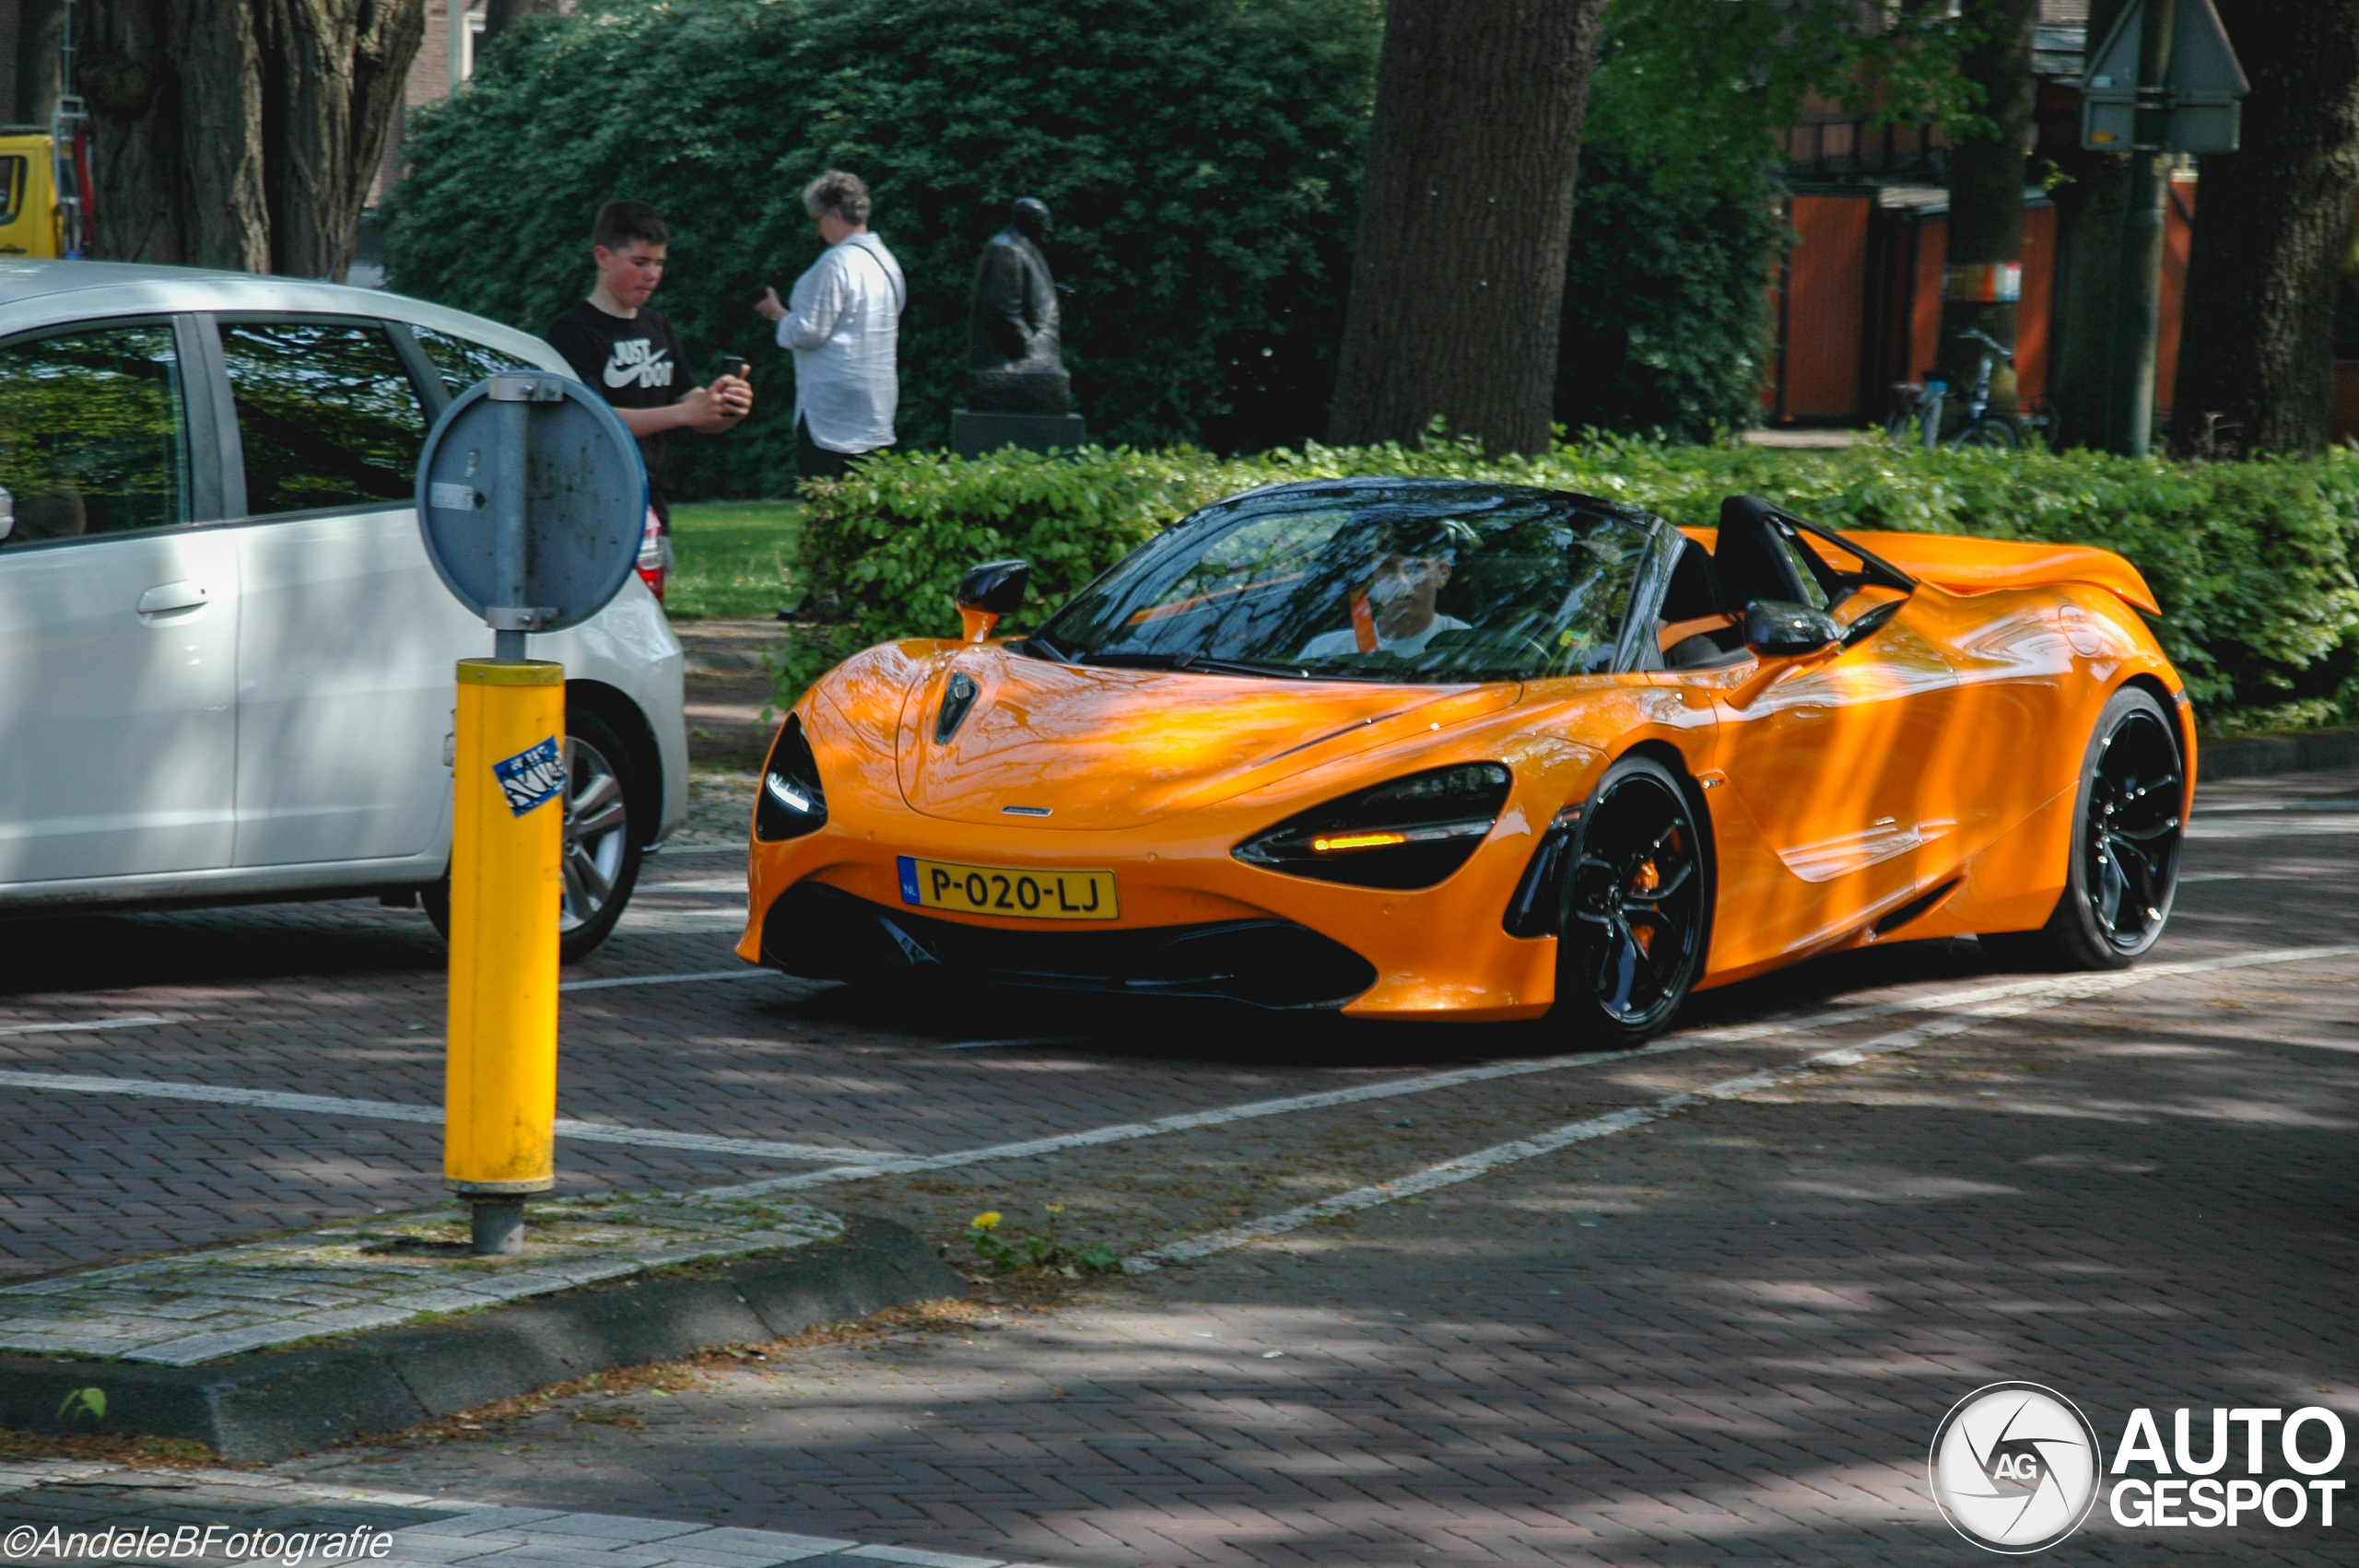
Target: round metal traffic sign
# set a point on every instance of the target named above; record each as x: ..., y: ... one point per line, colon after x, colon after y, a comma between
x: 540, y: 459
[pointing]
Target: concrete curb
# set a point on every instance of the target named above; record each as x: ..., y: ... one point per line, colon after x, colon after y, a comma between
x: 274, y: 1403
x: 2264, y: 756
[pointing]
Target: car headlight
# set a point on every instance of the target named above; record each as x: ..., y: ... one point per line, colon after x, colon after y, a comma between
x: 1411, y: 832
x: 791, y: 802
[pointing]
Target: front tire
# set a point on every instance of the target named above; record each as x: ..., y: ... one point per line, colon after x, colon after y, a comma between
x: 2127, y: 830
x: 1636, y: 908
x: 599, y: 862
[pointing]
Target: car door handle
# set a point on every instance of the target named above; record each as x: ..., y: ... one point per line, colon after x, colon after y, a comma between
x: 167, y: 597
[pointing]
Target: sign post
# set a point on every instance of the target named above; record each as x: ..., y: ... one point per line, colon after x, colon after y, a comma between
x: 530, y: 496
x: 2165, y: 81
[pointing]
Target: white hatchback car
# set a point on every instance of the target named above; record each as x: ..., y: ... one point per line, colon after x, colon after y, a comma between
x: 225, y: 662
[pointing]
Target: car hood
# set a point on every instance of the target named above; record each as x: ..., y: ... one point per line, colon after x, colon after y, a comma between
x: 1107, y: 748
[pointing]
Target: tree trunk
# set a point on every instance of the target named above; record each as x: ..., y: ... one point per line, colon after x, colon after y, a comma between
x: 1465, y: 217
x: 40, y: 28
x: 242, y: 133
x: 2088, y: 264
x: 1982, y: 276
x: 2256, y: 360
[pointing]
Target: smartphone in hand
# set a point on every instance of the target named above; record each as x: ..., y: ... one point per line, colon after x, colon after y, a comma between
x: 734, y: 365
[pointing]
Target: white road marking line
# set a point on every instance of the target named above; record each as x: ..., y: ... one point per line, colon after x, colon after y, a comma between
x: 657, y: 923
x: 1466, y: 1167
x: 998, y: 1045
x: 747, y: 973
x: 140, y: 1022
x: 394, y: 1110
x: 1426, y: 1084
x: 2271, y: 827
x: 697, y: 884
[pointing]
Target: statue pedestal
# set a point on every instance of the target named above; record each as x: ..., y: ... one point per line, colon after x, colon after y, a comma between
x: 975, y: 435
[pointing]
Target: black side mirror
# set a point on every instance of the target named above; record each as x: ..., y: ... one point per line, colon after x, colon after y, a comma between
x: 989, y: 591
x: 1774, y: 629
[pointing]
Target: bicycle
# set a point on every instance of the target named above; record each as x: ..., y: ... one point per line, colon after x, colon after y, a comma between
x: 1916, y: 417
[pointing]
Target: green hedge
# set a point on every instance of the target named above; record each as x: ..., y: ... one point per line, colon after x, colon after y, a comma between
x: 2251, y: 562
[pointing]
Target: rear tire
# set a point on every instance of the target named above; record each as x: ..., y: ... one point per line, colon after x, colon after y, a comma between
x: 1636, y: 910
x: 2127, y: 828
x: 1994, y: 431
x: 601, y: 851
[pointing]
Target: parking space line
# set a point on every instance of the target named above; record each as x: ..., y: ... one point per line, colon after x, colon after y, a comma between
x: 747, y: 972
x: 90, y: 1026
x: 394, y: 1110
x: 1426, y: 1083
x: 1466, y: 1167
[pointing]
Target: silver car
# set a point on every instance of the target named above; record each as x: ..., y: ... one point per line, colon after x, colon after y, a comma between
x: 225, y: 662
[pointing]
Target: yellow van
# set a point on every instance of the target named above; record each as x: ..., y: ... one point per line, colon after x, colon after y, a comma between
x: 31, y: 223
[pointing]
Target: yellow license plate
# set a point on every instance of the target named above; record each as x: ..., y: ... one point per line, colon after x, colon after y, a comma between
x: 1008, y: 890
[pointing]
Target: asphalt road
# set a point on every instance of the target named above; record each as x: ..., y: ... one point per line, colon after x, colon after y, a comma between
x: 1704, y: 1304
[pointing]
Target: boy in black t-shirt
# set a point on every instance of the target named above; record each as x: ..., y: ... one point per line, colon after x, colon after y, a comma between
x: 616, y: 344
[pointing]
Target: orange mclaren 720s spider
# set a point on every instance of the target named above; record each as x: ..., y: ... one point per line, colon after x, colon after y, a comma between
x: 1449, y: 750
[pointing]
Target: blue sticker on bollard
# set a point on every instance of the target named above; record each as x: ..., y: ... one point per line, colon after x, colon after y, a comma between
x: 531, y: 777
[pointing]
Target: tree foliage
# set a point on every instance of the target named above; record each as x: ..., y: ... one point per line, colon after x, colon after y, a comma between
x: 1200, y: 157
x: 1666, y: 322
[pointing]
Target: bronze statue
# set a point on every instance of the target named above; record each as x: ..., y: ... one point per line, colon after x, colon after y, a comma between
x: 1015, y: 363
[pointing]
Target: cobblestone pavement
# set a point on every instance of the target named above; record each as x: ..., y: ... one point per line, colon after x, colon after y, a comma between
x: 1727, y: 1332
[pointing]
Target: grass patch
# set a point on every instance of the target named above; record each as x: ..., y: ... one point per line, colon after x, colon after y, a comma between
x: 733, y: 559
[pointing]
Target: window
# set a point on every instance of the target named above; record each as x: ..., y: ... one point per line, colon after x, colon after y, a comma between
x: 91, y: 439
x: 1429, y: 583
x: 326, y: 413
x: 460, y: 363
x: 12, y: 187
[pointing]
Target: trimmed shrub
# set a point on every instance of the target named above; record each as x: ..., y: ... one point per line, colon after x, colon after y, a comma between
x: 2251, y: 562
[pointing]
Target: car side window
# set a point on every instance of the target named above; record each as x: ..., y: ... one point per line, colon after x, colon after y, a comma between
x: 328, y: 414
x: 12, y: 187
x: 461, y: 362
x: 93, y: 434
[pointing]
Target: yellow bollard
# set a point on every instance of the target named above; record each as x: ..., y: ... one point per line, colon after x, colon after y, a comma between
x: 499, y: 1103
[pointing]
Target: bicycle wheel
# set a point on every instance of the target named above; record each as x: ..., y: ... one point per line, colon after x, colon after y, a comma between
x: 1993, y: 430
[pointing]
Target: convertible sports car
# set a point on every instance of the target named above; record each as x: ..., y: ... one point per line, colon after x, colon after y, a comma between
x: 1437, y: 749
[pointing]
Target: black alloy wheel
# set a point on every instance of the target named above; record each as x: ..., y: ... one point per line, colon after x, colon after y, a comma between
x: 2125, y: 838
x: 1638, y: 906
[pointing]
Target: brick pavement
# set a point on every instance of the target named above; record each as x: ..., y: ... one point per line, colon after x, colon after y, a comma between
x: 1727, y: 1336
x: 1487, y: 1420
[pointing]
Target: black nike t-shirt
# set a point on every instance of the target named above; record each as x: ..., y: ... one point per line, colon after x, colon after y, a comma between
x: 637, y: 362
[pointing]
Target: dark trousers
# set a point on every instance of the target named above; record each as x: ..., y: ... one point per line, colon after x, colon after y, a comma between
x: 813, y: 461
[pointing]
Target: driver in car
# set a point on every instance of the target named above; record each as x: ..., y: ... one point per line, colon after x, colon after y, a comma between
x: 1395, y: 612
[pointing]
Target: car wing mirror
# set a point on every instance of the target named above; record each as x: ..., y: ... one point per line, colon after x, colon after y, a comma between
x: 7, y: 512
x: 989, y: 591
x: 1775, y: 629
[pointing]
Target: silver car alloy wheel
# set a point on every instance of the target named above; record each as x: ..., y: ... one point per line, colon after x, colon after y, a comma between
x: 596, y: 833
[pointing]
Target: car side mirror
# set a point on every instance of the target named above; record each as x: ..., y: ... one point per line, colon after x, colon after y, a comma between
x: 1777, y: 629
x: 991, y: 591
x: 7, y: 512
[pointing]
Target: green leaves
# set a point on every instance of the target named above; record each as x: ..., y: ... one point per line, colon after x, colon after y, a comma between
x: 90, y: 1402
x: 2251, y: 562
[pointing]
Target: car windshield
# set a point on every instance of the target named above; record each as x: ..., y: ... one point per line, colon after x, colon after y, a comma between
x: 1418, y: 583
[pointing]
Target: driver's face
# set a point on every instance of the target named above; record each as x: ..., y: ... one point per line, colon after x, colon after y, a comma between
x: 1404, y: 590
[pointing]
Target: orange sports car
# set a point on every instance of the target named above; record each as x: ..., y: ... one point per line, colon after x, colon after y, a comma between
x: 1441, y: 749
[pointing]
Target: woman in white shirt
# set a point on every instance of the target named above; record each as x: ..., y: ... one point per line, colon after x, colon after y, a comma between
x: 842, y: 322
